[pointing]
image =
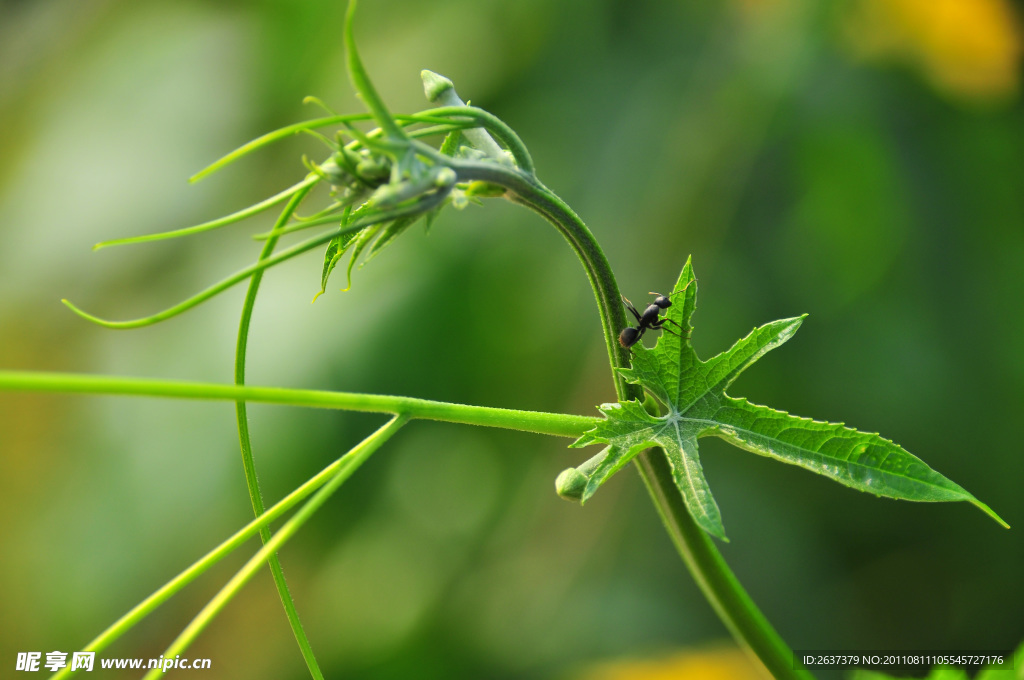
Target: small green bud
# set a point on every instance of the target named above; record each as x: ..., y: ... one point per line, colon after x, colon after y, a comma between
x: 434, y: 84
x: 372, y: 170
x: 388, y: 195
x: 439, y: 178
x: 570, y: 484
x: 334, y: 173
x: 444, y: 177
x: 471, y: 154
x: 459, y: 199
x: 485, y: 190
x: 441, y: 90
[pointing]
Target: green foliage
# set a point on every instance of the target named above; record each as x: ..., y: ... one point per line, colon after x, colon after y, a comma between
x: 335, y: 249
x: 692, y: 392
x: 384, y: 180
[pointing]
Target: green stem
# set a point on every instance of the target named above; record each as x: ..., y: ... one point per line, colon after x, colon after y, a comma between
x: 203, y: 618
x: 720, y: 586
x: 245, y: 441
x: 725, y: 593
x: 555, y: 424
x: 147, y: 606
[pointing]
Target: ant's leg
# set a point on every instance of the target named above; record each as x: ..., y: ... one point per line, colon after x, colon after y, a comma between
x: 632, y: 310
x: 675, y: 323
x: 660, y: 325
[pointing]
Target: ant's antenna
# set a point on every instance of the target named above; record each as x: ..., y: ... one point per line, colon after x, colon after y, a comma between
x: 681, y: 290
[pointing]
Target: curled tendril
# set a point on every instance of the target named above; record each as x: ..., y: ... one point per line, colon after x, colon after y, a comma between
x: 254, y: 209
x: 395, y: 177
x: 369, y: 219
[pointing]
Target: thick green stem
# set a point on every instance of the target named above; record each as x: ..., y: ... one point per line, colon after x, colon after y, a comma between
x: 245, y: 441
x: 730, y: 601
x: 556, y: 424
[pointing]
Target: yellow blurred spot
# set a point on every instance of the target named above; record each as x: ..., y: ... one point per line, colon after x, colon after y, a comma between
x: 723, y: 663
x: 966, y: 48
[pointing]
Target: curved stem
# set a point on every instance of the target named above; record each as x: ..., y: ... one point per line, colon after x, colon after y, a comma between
x: 245, y: 441
x: 495, y: 126
x: 216, y: 288
x: 528, y: 191
x: 720, y: 586
x: 725, y: 593
x: 204, y: 563
x: 539, y: 422
x: 203, y: 618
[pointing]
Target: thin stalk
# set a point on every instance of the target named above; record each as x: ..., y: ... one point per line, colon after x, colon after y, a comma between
x: 245, y: 441
x: 147, y: 606
x: 555, y: 424
x: 220, y: 600
x: 361, y: 82
x: 723, y: 590
x: 297, y: 128
x: 234, y: 217
x: 216, y: 288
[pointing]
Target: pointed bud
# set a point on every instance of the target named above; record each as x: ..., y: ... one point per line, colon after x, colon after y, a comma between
x: 570, y: 484
x: 434, y: 84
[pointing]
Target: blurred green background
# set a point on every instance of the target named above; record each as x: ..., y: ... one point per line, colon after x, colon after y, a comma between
x: 860, y: 161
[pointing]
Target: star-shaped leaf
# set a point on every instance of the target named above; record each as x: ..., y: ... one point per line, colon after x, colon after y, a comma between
x: 694, y: 405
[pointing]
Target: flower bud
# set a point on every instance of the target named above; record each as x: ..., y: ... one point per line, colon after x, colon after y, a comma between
x: 570, y: 484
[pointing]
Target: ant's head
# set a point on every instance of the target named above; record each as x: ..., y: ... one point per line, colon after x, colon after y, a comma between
x: 663, y: 301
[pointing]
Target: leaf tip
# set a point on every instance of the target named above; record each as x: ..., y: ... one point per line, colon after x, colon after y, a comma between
x: 716, y: 530
x: 990, y: 512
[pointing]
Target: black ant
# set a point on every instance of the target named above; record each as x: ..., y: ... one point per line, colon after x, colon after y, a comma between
x: 649, y: 319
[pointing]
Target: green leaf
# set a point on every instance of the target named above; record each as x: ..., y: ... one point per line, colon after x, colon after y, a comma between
x: 392, y: 231
x: 692, y: 393
x: 335, y: 249
x: 452, y: 142
x: 362, y: 240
